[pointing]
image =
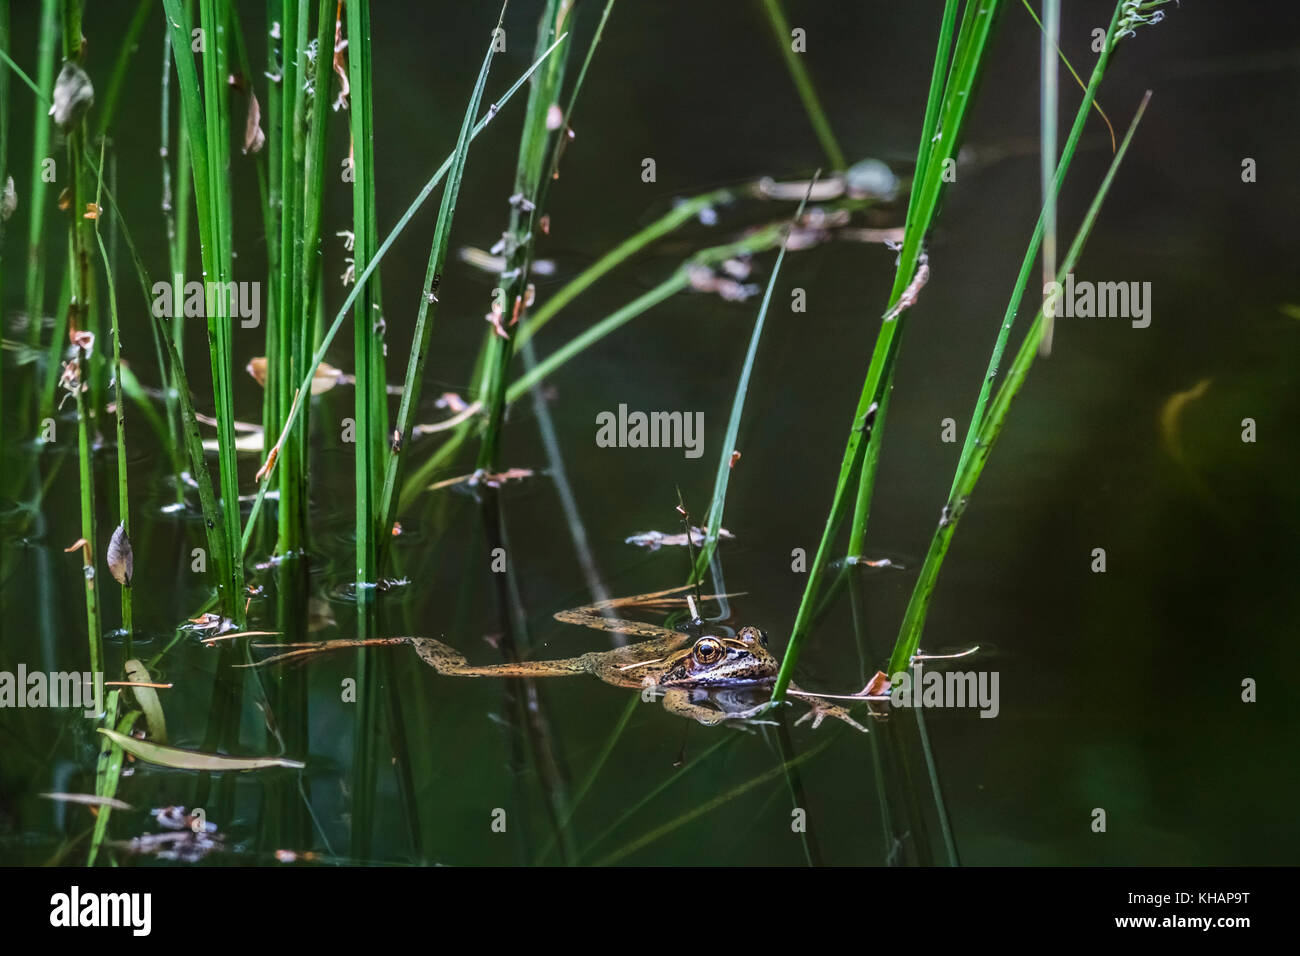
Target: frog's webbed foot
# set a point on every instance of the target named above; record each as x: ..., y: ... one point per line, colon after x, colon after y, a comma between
x: 819, y: 710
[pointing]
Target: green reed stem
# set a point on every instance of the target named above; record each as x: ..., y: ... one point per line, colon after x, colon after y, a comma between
x: 123, y: 498
x: 520, y: 236
x: 175, y: 210
x: 83, y: 316
x: 970, y: 468
x: 4, y: 171
x: 946, y: 114
x: 213, y: 525
x: 304, y: 391
x: 723, y: 477
x: 1047, y: 214
x: 39, y: 198
x: 109, y: 771
x: 1048, y: 105
x: 429, y: 298
x: 89, y: 551
x: 207, y: 122
x: 370, y: 395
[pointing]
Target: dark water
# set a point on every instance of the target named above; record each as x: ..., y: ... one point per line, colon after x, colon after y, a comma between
x: 1119, y: 691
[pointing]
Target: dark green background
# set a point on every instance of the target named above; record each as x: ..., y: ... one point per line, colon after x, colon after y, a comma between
x: 1119, y: 691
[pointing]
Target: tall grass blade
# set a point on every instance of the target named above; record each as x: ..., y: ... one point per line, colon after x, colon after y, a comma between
x: 718, y: 502
x: 940, y: 138
x: 970, y: 469
x: 429, y: 299
x: 304, y: 390
x: 520, y: 236
x: 123, y: 498
x: 207, y: 123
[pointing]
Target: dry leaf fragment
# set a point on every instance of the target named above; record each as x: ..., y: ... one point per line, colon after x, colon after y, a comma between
x: 254, y: 138
x: 88, y: 799
x: 340, y: 63
x: 268, y: 464
x: 84, y: 545
x: 121, y: 560
x: 325, y: 377
x: 878, y: 685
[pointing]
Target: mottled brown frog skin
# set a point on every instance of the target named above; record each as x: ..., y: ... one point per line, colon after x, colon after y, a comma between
x: 689, y: 672
x: 668, y: 661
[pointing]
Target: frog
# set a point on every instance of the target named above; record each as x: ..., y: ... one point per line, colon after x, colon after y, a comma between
x: 708, y: 678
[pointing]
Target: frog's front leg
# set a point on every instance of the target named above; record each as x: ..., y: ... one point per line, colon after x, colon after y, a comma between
x: 678, y: 701
x: 448, y: 660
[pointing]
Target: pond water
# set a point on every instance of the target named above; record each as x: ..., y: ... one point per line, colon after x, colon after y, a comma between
x: 1119, y: 691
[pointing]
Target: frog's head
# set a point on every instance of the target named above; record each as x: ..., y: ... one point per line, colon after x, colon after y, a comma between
x: 712, y: 660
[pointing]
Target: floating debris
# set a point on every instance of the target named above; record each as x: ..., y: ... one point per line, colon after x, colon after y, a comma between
x: 73, y: 94
x: 187, y: 837
x: 487, y: 262
x: 654, y: 540
x: 486, y: 478
x: 704, y: 279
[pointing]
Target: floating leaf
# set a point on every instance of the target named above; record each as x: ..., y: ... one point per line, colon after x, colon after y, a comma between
x: 180, y: 759
x: 121, y: 560
x: 147, y: 698
x: 88, y: 799
x: 73, y: 94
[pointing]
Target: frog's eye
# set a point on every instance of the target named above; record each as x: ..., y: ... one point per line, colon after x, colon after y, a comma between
x: 707, y: 650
